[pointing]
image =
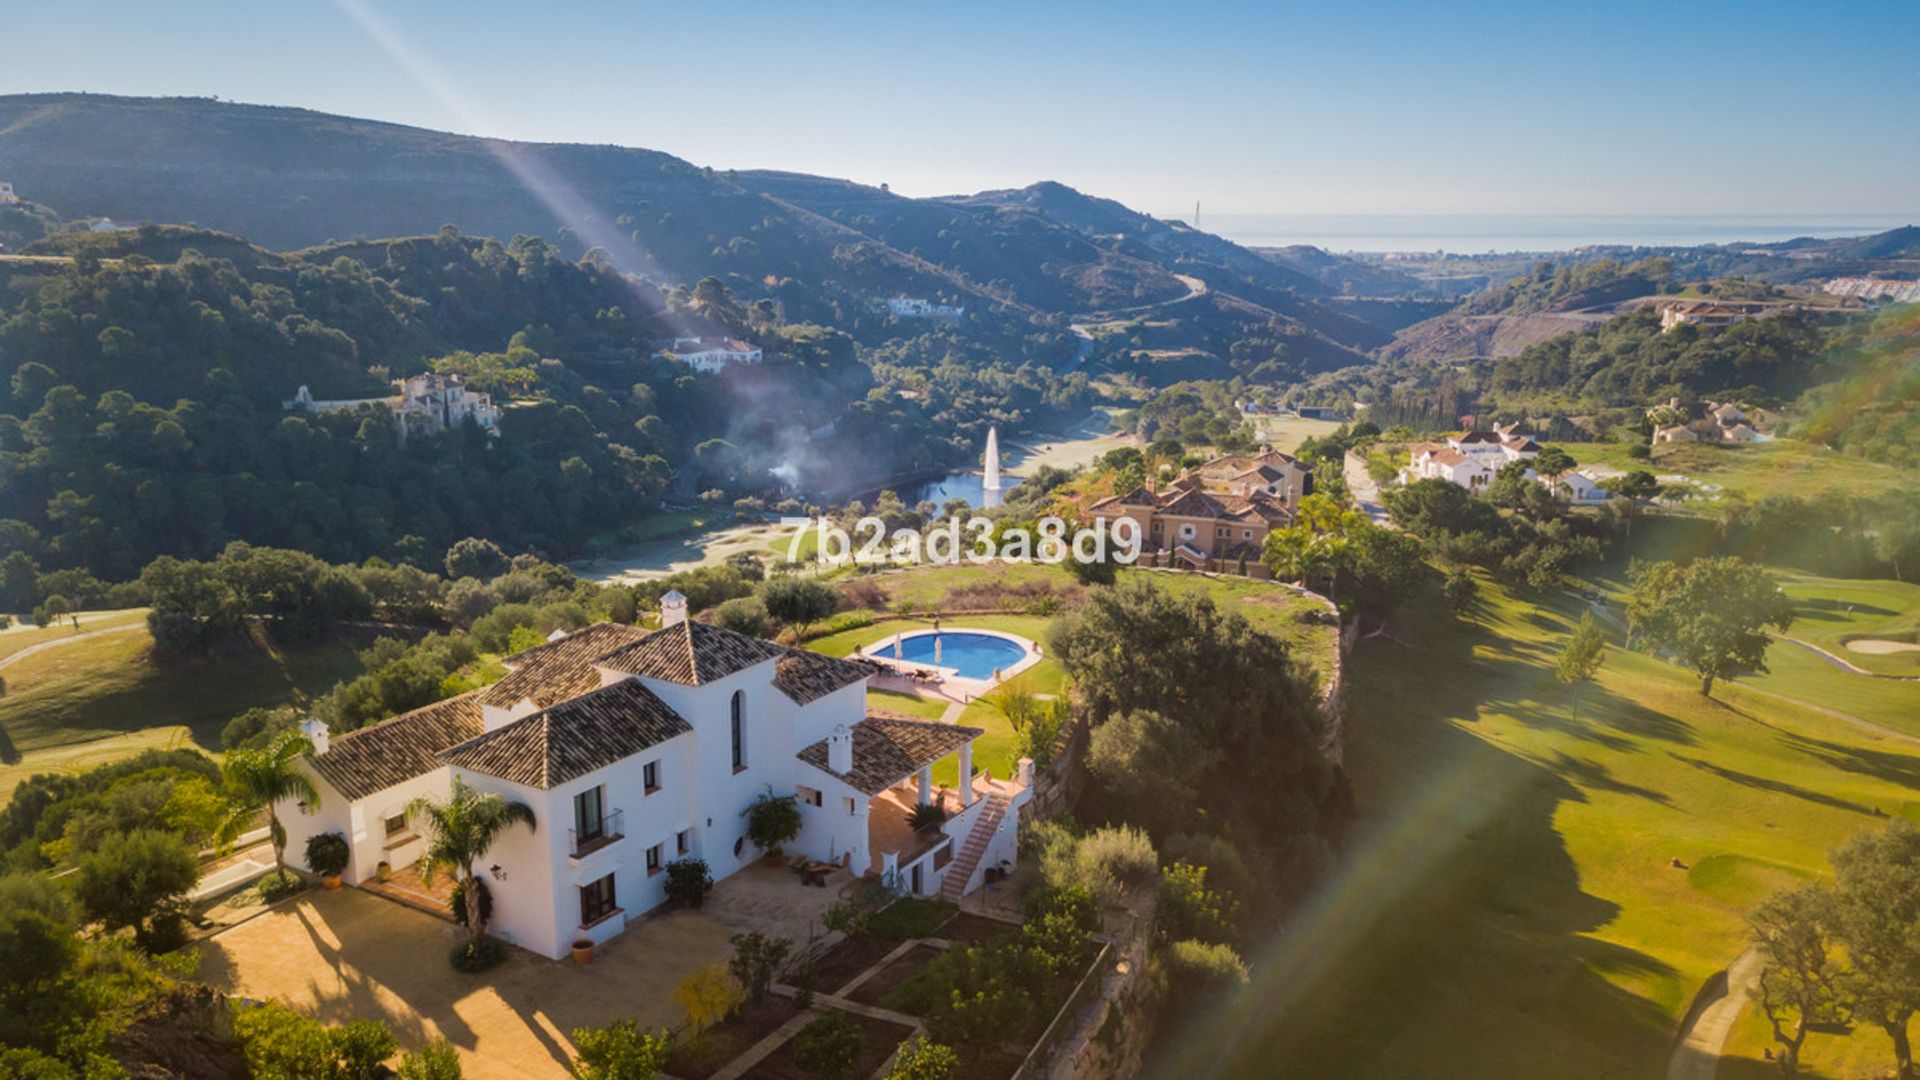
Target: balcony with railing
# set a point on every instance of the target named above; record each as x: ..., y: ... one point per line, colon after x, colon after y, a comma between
x: 585, y: 842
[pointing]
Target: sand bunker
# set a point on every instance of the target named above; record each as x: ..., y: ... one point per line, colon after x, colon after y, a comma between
x: 1880, y: 646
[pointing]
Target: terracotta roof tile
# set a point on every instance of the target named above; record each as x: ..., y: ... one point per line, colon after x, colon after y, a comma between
x: 573, y: 738
x: 808, y: 676
x: 888, y: 749
x: 690, y: 653
x: 359, y: 763
x: 552, y: 673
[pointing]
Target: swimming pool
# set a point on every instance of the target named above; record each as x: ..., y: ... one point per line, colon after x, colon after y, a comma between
x: 972, y: 656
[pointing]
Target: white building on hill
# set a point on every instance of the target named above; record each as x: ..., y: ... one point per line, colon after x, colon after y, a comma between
x: 712, y: 354
x: 425, y: 404
x: 637, y: 748
x: 7, y: 197
x: 911, y: 307
x: 1470, y: 458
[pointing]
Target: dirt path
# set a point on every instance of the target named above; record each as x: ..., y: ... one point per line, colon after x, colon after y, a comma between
x: 14, y: 658
x: 1697, y: 1057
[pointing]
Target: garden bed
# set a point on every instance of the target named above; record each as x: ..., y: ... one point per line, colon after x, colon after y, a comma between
x: 697, y: 1059
x: 900, y: 970
x: 968, y: 927
x: 882, y: 1038
x: 856, y: 953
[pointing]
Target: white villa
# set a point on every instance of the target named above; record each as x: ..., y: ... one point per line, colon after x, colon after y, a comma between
x: 711, y: 354
x: 911, y: 307
x: 426, y: 403
x: 636, y: 748
x: 7, y: 197
x: 1470, y: 458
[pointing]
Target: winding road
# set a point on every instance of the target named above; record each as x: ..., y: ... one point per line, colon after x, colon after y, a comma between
x: 1081, y: 325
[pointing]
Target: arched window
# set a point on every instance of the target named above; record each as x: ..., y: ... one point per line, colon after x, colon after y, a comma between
x: 739, y: 730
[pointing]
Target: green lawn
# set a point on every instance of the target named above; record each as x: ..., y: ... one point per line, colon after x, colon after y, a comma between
x: 910, y: 704
x: 1508, y: 905
x: 103, y: 698
x: 1780, y: 467
x: 1276, y: 610
x: 1833, y: 611
x: 23, y: 635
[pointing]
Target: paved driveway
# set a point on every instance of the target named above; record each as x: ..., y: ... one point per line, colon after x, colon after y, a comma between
x: 348, y: 955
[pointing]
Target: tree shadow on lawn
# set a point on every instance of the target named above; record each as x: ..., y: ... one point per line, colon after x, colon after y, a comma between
x: 1891, y: 766
x: 1765, y: 783
x: 1452, y: 937
x: 1534, y: 698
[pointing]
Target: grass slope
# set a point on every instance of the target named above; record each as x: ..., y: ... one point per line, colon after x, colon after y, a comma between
x: 1508, y: 907
x: 106, y: 697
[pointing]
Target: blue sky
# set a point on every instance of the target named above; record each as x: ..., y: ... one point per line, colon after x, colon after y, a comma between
x: 1758, y: 108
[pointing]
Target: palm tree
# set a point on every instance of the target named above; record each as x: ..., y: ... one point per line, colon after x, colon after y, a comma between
x: 258, y: 780
x: 461, y: 830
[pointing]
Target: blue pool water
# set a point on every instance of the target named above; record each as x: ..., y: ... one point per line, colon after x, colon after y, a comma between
x: 974, y: 656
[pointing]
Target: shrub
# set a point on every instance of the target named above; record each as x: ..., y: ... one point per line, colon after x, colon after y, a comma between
x: 844, y: 917
x: 1459, y: 588
x: 277, y: 887
x: 830, y: 1047
x: 922, y: 1060
x: 755, y: 959
x: 708, y: 994
x: 1639, y: 451
x: 927, y: 815
x: 1198, y: 966
x: 1106, y: 862
x: 619, y: 1051
x: 476, y: 956
x: 139, y: 879
x: 280, y: 1043
x: 772, y: 820
x: 688, y: 882
x: 362, y: 1046
x: 1188, y: 909
x: 327, y: 853
x: 436, y: 1060
x: 744, y: 615
x: 1060, y: 924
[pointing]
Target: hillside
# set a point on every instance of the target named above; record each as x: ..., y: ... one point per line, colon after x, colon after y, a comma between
x: 287, y: 178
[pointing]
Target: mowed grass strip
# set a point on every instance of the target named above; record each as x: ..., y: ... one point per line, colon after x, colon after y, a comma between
x: 103, y: 697
x: 1527, y: 893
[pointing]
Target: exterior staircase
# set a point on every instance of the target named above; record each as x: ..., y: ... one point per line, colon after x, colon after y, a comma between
x: 954, y: 885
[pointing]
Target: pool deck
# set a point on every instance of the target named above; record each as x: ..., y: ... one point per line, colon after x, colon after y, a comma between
x: 953, y: 684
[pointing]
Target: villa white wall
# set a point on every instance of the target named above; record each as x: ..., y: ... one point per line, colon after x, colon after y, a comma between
x: 330, y: 816
x: 524, y: 908
x: 724, y: 793
x: 832, y: 830
x: 368, y: 818
x: 816, y: 719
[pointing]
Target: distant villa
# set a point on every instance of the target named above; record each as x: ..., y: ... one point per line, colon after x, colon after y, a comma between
x: 911, y: 307
x: 427, y: 403
x: 711, y: 354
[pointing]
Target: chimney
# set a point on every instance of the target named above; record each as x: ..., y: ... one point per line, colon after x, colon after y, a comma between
x: 840, y: 750
x: 315, y: 729
x: 673, y: 609
x: 556, y: 635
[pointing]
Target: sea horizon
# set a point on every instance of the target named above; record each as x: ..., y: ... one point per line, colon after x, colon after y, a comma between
x: 1479, y: 234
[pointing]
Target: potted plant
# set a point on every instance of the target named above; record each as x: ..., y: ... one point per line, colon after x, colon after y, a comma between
x: 384, y: 871
x: 772, y: 821
x: 927, y: 817
x: 583, y: 951
x: 327, y: 856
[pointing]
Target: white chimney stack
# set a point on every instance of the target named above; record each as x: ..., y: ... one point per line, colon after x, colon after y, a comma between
x: 673, y: 609
x: 840, y: 750
x: 556, y: 635
x: 315, y: 729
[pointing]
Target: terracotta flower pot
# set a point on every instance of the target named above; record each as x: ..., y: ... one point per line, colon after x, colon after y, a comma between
x: 331, y: 881
x: 773, y: 858
x: 583, y: 952
x: 384, y: 871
